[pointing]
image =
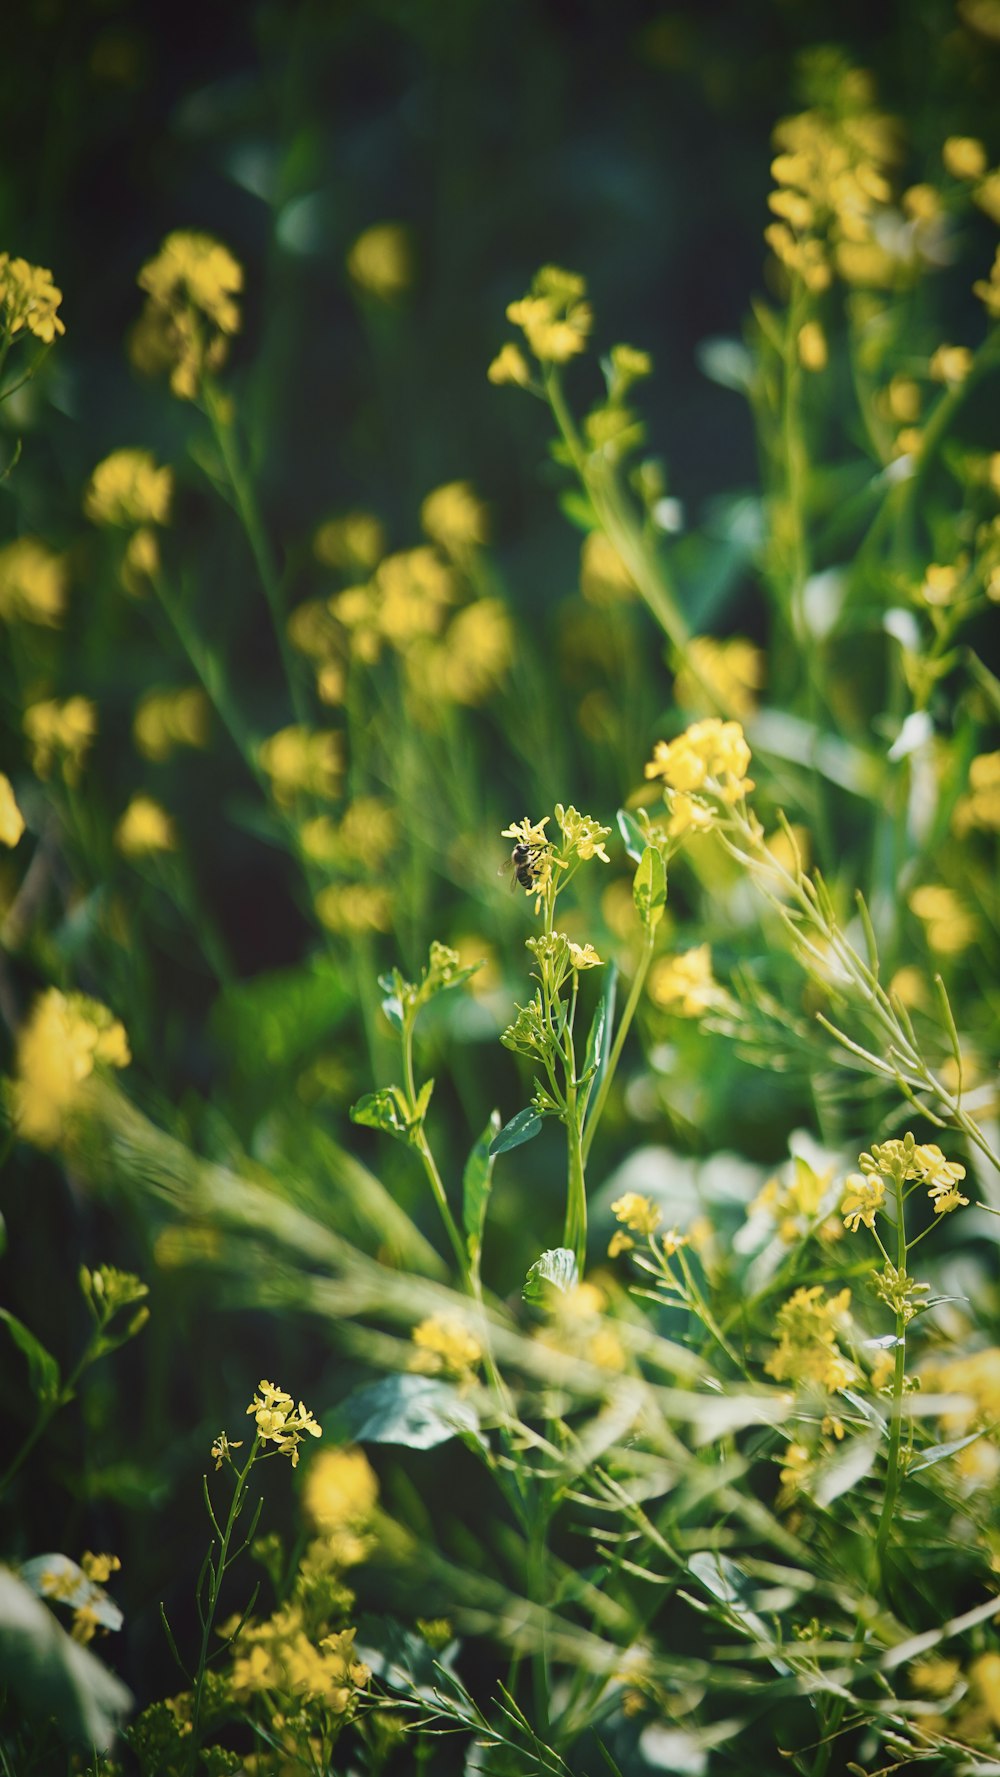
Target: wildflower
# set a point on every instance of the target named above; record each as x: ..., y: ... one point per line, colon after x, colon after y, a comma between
x: 988, y: 289
x: 604, y: 577
x: 28, y: 299
x: 986, y: 195
x: 64, y: 1038
x: 33, y: 583
x: 99, y: 1568
x: 510, y: 366
x: 355, y: 540
x: 582, y: 834
x: 964, y: 157
x: 444, y: 1346
x: 381, y: 261
x: 941, y: 582
x: 127, y: 490
x: 903, y: 399
x: 733, y: 670
x: 921, y: 203
x: 11, y: 818
x: 883, y: 1370
x: 684, y: 983
x: 340, y: 1490
x: 812, y: 347
x: 807, y: 1349
x: 471, y: 658
x: 453, y: 517
x: 145, y: 828
x: 864, y: 1195
x: 792, y: 1199
x: 167, y: 719
x: 60, y: 732
x: 222, y: 1447
x: 190, y: 313
x: 639, y: 1214
x: 302, y: 761
x: 354, y: 907
x: 278, y: 1422
x: 980, y: 807
x: 553, y: 316
x: 936, y: 1676
x: 584, y: 956
x: 793, y: 1477
x: 710, y: 755
x: 951, y: 364
x: 949, y: 926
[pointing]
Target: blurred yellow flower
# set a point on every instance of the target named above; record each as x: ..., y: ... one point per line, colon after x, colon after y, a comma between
x: 684, y: 983
x: 33, y: 583
x: 903, y: 399
x: 948, y: 924
x: 167, y: 719
x: 988, y: 289
x: 302, y: 761
x: 355, y: 540
x: 60, y: 733
x: 191, y: 311
x: 733, y: 670
x: 454, y: 517
x: 145, y: 828
x: 127, y: 489
x: 28, y: 299
x: 510, y: 366
x: 639, y: 1214
x: 445, y: 1347
x: 340, y: 1491
x: 807, y: 1351
x: 381, y: 261
x: 604, y: 578
x: 11, y: 818
x: 354, y: 907
x: 554, y: 318
x: 964, y: 157
x: 986, y: 195
x: 711, y: 755
x: 951, y: 364
x: 980, y: 807
x: 64, y: 1037
x: 812, y: 347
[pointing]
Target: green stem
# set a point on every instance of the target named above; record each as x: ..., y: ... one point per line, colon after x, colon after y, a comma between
x: 896, y: 1425
x: 216, y: 1572
x: 47, y: 1413
x: 422, y: 1146
x: 635, y: 993
x: 575, y: 1234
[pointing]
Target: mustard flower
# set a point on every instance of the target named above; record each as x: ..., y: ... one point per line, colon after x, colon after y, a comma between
x: 352, y: 908
x: 167, y: 719
x: 445, y: 1347
x: 964, y: 157
x: 355, y: 540
x: 11, y: 818
x: 639, y: 1214
x: 988, y: 289
x: 864, y: 1195
x: 510, y: 366
x: 604, y: 577
x: 582, y: 834
x: 279, y: 1423
x: 554, y: 318
x: 28, y: 299
x: 381, y: 261
x: 950, y: 364
x: 191, y: 311
x: 733, y: 670
x: 302, y: 761
x: 145, y: 828
x: 64, y: 1038
x: 684, y: 983
x: 60, y: 733
x: 711, y: 755
x: 584, y: 956
x: 222, y: 1446
x: 127, y: 490
x: 980, y: 807
x: 454, y: 517
x: 812, y: 347
x: 340, y: 1490
x: 469, y: 661
x: 948, y: 924
x: 33, y: 581
x: 807, y: 1349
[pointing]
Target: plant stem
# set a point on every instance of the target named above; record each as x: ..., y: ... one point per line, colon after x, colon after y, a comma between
x: 635, y: 993
x: 896, y: 1425
x: 216, y: 1572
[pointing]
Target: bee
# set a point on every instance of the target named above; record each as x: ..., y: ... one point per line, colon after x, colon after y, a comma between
x: 523, y: 865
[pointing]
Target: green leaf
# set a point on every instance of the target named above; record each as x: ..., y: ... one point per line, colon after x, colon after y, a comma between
x: 477, y: 1181
x: 599, y: 1036
x: 726, y: 362
x: 841, y: 1471
x: 649, y: 888
x: 42, y: 1366
x: 416, y: 1411
x: 632, y: 834
x: 523, y: 1126
x: 939, y: 1452
x: 275, y: 1021
x: 555, y: 1270
x: 48, y: 1675
x: 577, y: 507
x: 59, y: 1580
x: 387, y: 1110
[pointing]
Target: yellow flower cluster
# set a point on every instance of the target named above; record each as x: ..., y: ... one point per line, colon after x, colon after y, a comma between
x: 11, y: 818
x: 302, y: 762
x: 144, y: 829
x: 28, y: 299
x: 355, y: 540
x: 445, y: 1347
x: 792, y: 1200
x: 604, y: 577
x: 684, y: 983
x: 948, y: 924
x: 709, y: 759
x: 807, y: 1350
x: 980, y: 807
x: 637, y: 1213
x: 977, y: 1378
x: 468, y: 662
x: 353, y: 908
x: 191, y: 311
x: 340, y: 1494
x: 366, y: 834
x: 127, y: 489
x: 831, y: 175
x: 60, y: 732
x: 732, y: 670
x: 579, y: 1327
x: 908, y: 1161
x: 278, y: 1657
x: 168, y: 719
x: 454, y: 517
x: 32, y: 583
x: 381, y: 261
x: 406, y: 598
x: 279, y: 1423
x: 988, y: 289
x: 555, y: 320
x: 582, y: 835
x: 65, y: 1037
x: 864, y: 1196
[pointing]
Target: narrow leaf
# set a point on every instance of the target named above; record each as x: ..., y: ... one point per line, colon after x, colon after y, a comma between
x: 523, y: 1126
x: 649, y: 888
x: 43, y: 1369
x: 632, y: 834
x: 477, y: 1181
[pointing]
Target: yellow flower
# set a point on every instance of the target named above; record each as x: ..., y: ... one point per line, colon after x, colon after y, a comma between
x: 302, y: 761
x: 32, y: 583
x: 453, y: 517
x: 883, y: 1369
x: 11, y: 818
x: 470, y: 660
x: 639, y: 1214
x: 279, y: 1423
x: 951, y: 364
x: 984, y: 1677
x: 807, y: 1349
x: 950, y: 927
x: 733, y: 670
x: 145, y: 828
x: 604, y: 578
x: 812, y: 347
x: 340, y: 1491
x: 352, y: 908
x: 222, y: 1446
x: 964, y: 157
x: 988, y: 290
x: 553, y: 317
x: 168, y: 719
x: 584, y: 956
x: 684, y: 983
x: 980, y: 808
x: 99, y: 1568
x: 355, y: 540
x: 582, y: 834
x: 864, y: 1195
x: 60, y: 732
x: 941, y: 583
x: 711, y: 755
x: 986, y: 196
x: 28, y: 298
x: 510, y: 366
x: 445, y: 1347
x: 381, y: 261
x: 57, y: 1049
x: 902, y: 398
x: 921, y: 203
x: 127, y: 489
x: 190, y: 312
